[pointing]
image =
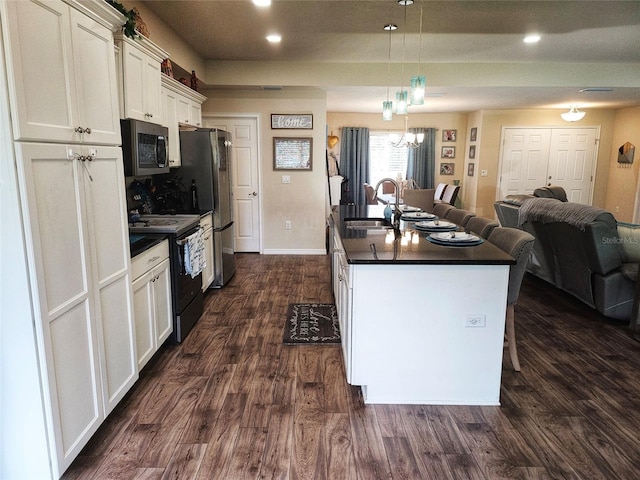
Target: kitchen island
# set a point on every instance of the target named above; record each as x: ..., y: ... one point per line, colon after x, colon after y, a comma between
x: 420, y: 323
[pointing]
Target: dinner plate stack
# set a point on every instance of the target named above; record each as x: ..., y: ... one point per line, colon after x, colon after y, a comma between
x: 435, y: 226
x: 455, y: 239
x: 418, y: 216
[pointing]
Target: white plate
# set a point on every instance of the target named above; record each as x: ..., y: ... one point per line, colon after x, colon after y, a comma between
x: 432, y: 224
x: 409, y: 208
x: 419, y: 215
x: 459, y: 237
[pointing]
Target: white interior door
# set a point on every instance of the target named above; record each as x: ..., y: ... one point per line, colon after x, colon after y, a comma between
x: 571, y: 160
x: 535, y: 157
x: 524, y: 160
x: 245, y: 179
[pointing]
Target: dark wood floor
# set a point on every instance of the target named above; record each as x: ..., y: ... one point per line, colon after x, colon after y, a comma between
x: 232, y: 402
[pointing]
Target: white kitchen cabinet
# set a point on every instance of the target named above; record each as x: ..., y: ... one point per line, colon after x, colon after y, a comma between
x: 77, y: 242
x: 208, y: 273
x: 182, y: 106
x: 343, y: 298
x: 62, y: 83
x: 152, y: 300
x: 139, y: 70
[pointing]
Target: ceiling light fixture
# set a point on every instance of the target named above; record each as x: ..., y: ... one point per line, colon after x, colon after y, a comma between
x: 532, y: 38
x: 274, y: 38
x: 262, y: 3
x: 408, y: 139
x: 573, y: 115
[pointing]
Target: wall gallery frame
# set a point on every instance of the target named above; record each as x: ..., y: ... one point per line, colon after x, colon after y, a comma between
x: 448, y: 152
x: 474, y: 134
x: 292, y: 153
x: 449, y: 135
x: 447, y: 168
x: 470, y: 169
x: 472, y: 151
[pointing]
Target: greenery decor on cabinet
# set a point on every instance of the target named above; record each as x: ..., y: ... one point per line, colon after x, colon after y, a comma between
x: 129, y: 27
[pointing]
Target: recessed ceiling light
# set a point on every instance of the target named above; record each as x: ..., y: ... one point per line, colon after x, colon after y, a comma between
x: 274, y: 38
x: 532, y: 38
x: 390, y: 27
x: 262, y: 3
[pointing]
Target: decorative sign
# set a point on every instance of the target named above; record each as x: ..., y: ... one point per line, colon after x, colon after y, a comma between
x: 292, y: 153
x: 293, y: 121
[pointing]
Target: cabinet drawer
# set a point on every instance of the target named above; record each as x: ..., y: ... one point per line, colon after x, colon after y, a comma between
x: 206, y: 221
x: 149, y: 259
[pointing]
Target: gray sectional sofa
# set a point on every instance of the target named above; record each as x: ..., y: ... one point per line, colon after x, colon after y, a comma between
x: 579, y: 249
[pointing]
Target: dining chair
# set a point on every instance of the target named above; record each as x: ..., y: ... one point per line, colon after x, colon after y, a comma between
x: 419, y: 197
x: 370, y: 194
x: 481, y: 226
x: 450, y: 194
x: 459, y: 216
x: 437, y: 195
x: 518, y: 244
x: 441, y: 209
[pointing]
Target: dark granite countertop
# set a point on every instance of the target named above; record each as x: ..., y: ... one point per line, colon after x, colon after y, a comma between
x: 358, y: 249
x: 139, y: 243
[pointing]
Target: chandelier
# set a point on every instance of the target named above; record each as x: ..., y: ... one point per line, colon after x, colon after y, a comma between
x: 408, y: 139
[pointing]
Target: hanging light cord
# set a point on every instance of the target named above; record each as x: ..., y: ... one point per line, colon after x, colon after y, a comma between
x: 420, y: 39
x: 404, y: 47
x: 389, y: 64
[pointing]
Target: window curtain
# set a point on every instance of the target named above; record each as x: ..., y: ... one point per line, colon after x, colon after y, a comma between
x: 421, y: 162
x: 354, y: 162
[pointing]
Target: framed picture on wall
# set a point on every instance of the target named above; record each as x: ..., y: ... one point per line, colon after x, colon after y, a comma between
x: 474, y: 134
x: 447, y: 168
x: 448, y: 152
x: 449, y: 135
x: 472, y: 151
x: 470, y: 169
x: 292, y: 153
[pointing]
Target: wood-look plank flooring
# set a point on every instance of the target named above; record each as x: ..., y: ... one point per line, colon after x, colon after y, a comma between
x: 231, y: 402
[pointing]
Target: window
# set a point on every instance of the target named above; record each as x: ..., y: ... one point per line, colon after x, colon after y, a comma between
x: 385, y: 160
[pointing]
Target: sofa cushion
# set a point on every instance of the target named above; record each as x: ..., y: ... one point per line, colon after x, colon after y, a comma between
x: 629, y: 239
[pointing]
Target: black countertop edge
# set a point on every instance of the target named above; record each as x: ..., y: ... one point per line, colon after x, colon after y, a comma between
x: 147, y: 241
x: 359, y: 251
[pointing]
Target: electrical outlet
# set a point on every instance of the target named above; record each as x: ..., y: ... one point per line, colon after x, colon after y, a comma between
x: 484, y: 173
x: 286, y: 179
x: 287, y: 224
x: 475, y: 321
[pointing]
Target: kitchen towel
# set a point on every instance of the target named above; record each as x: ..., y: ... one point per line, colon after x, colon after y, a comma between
x: 194, y: 258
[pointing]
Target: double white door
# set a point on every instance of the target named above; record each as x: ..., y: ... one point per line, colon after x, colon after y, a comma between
x: 535, y: 157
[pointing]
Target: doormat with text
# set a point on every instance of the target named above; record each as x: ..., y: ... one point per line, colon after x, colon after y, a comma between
x: 312, y: 324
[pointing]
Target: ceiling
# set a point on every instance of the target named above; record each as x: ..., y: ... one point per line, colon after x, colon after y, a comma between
x: 472, y: 52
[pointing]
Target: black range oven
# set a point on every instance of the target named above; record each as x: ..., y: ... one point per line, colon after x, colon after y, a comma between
x: 187, y: 299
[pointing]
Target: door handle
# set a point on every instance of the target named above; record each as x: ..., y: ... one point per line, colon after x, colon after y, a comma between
x: 253, y: 194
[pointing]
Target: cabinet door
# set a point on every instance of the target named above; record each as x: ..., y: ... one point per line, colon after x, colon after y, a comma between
x: 152, y: 84
x: 170, y: 99
x: 184, y: 110
x: 95, y: 73
x: 196, y: 114
x: 143, y: 314
x: 343, y: 305
x: 109, y: 233
x: 42, y: 87
x: 162, y: 302
x: 56, y: 229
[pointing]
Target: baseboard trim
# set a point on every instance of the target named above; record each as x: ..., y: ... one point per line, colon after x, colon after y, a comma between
x: 275, y: 251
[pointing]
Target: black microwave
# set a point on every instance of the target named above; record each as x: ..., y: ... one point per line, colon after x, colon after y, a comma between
x: 145, y: 148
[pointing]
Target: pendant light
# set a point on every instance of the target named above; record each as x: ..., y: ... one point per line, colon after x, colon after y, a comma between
x: 387, y: 106
x: 418, y: 82
x: 402, y: 97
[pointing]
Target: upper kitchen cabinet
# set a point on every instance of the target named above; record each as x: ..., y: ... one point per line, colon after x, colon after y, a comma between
x: 62, y: 72
x: 182, y: 106
x: 139, y: 64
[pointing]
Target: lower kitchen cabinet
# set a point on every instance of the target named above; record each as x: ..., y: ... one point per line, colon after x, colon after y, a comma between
x: 342, y: 292
x: 152, y: 300
x: 208, y: 274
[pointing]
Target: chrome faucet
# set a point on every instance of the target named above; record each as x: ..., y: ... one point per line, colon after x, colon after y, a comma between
x: 398, y: 213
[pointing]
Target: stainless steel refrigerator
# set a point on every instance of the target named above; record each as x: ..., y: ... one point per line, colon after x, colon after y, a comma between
x: 206, y: 158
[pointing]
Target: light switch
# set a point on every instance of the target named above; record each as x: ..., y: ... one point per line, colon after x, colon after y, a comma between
x: 286, y: 179
x: 484, y: 173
